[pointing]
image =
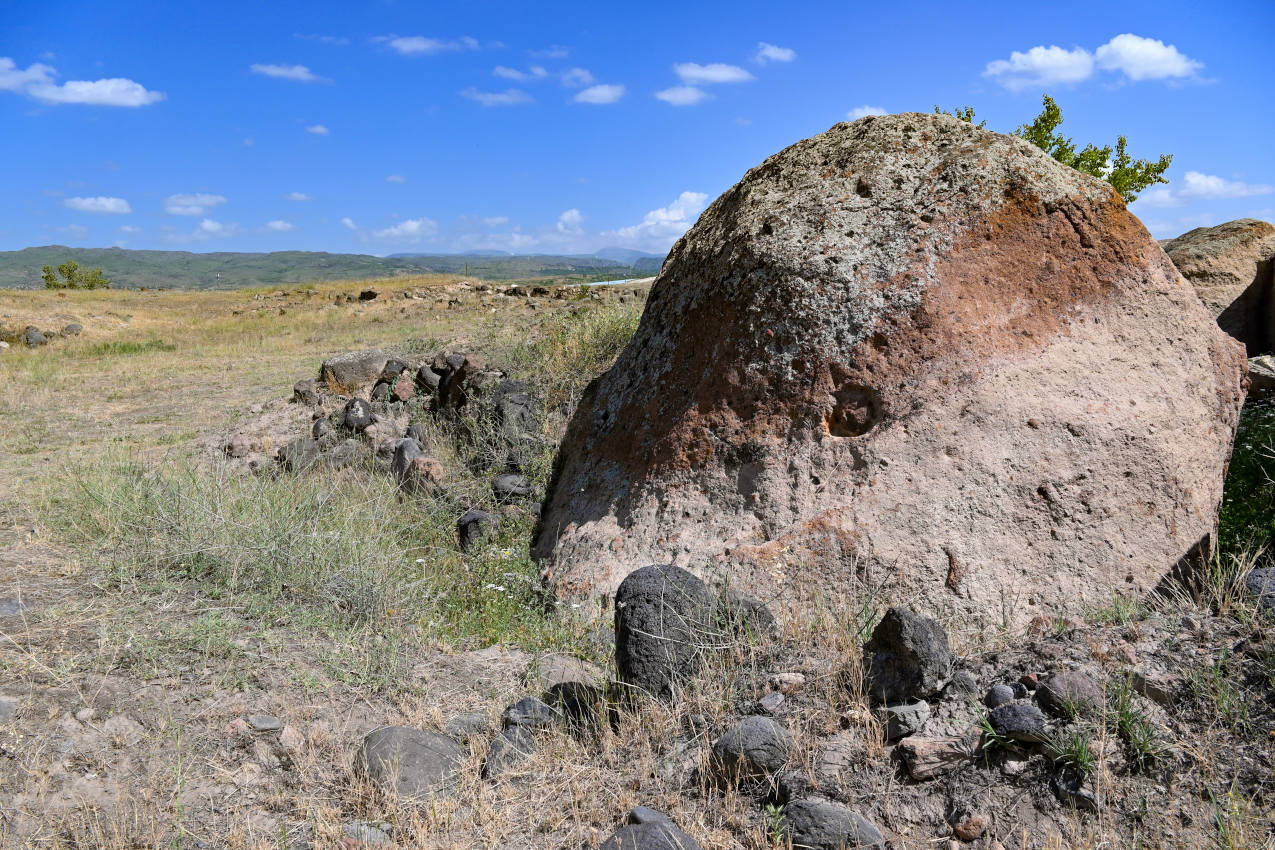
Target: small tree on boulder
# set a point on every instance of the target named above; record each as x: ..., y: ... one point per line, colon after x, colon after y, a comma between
x: 70, y: 276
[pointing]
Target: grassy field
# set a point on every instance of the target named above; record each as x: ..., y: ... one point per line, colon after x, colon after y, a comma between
x: 168, y: 598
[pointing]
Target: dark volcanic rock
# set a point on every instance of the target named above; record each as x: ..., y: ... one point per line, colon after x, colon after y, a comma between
x: 906, y: 658
x: 1019, y: 721
x: 663, y: 624
x: 413, y: 763
x: 357, y: 415
x: 476, y: 526
x: 660, y: 835
x: 824, y: 825
x: 754, y: 748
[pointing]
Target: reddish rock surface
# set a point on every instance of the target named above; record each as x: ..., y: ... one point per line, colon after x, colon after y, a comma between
x: 913, y: 358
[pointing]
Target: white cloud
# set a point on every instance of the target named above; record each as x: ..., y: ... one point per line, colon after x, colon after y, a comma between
x: 553, y: 51
x: 413, y: 230
x: 396, y: 178
x: 1196, y: 186
x: 496, y: 220
x: 508, y: 97
x: 1041, y: 66
x: 128, y: 228
x: 14, y: 79
x: 600, y: 94
x: 864, y: 111
x: 535, y: 72
x: 576, y: 77
x: 196, y: 204
x: 570, y: 222
x: 317, y: 129
x: 349, y: 222
x: 416, y: 44
x: 322, y: 39
x: 37, y: 82
x: 1144, y: 58
x: 682, y: 95
x: 300, y: 73
x: 279, y: 226
x: 212, y: 228
x: 1134, y: 56
x: 771, y: 53
x: 113, y: 206
x: 661, y: 227
x: 693, y: 74
x: 298, y: 196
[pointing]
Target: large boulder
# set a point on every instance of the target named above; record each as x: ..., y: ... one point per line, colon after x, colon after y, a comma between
x: 908, y: 351
x: 1230, y: 266
x: 353, y: 370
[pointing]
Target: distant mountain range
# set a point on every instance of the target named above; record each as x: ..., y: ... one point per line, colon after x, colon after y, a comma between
x: 224, y: 270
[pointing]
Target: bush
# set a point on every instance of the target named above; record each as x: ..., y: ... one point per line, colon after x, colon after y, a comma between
x: 72, y: 277
x: 1248, y: 499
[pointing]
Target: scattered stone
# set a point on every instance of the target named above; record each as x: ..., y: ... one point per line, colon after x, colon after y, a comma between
x: 321, y: 428
x: 368, y: 295
x: 963, y: 683
x: 264, y: 723
x: 405, y: 451
x: 579, y: 704
x: 73, y: 329
x: 418, y: 432
x: 643, y: 814
x: 1073, y: 790
x: 1019, y: 721
x: 475, y: 527
x: 364, y: 834
x: 348, y: 452
x: 413, y: 763
x: 1029, y: 681
x: 1260, y: 583
x: 306, y: 392
x: 788, y: 682
x: 1159, y: 687
x: 970, y: 827
x: 926, y: 758
x: 661, y: 835
x: 663, y: 618
x: 553, y: 668
x: 298, y: 455
x: 34, y: 338
x: 467, y: 725
x: 509, y: 486
x: 906, y: 658
x: 357, y: 415
x: 531, y: 713
x: 1019, y: 689
x: 511, y: 746
x: 1070, y: 694
x: 823, y: 825
x: 394, y: 368
x: 424, y: 476
x: 771, y: 702
x: 427, y: 379
x: 747, y: 617
x: 903, y: 719
x: 381, y: 392
x: 353, y: 369
x: 998, y: 696
x: 754, y: 748
x: 404, y: 389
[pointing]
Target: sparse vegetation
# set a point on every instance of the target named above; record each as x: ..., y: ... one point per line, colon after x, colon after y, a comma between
x: 70, y: 276
x: 1112, y: 163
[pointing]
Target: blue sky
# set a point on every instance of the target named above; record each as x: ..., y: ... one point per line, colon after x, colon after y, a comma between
x: 384, y: 127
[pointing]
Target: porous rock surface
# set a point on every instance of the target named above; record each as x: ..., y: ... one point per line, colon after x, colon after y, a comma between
x: 912, y: 350
x: 1231, y: 267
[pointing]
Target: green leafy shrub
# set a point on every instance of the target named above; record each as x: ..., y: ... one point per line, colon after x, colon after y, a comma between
x: 1248, y: 498
x: 69, y: 275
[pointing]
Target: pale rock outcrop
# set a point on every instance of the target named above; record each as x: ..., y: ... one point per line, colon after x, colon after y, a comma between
x: 1231, y: 267
x: 914, y: 356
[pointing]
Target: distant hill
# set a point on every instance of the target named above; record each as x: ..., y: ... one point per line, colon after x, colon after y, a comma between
x: 225, y: 270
